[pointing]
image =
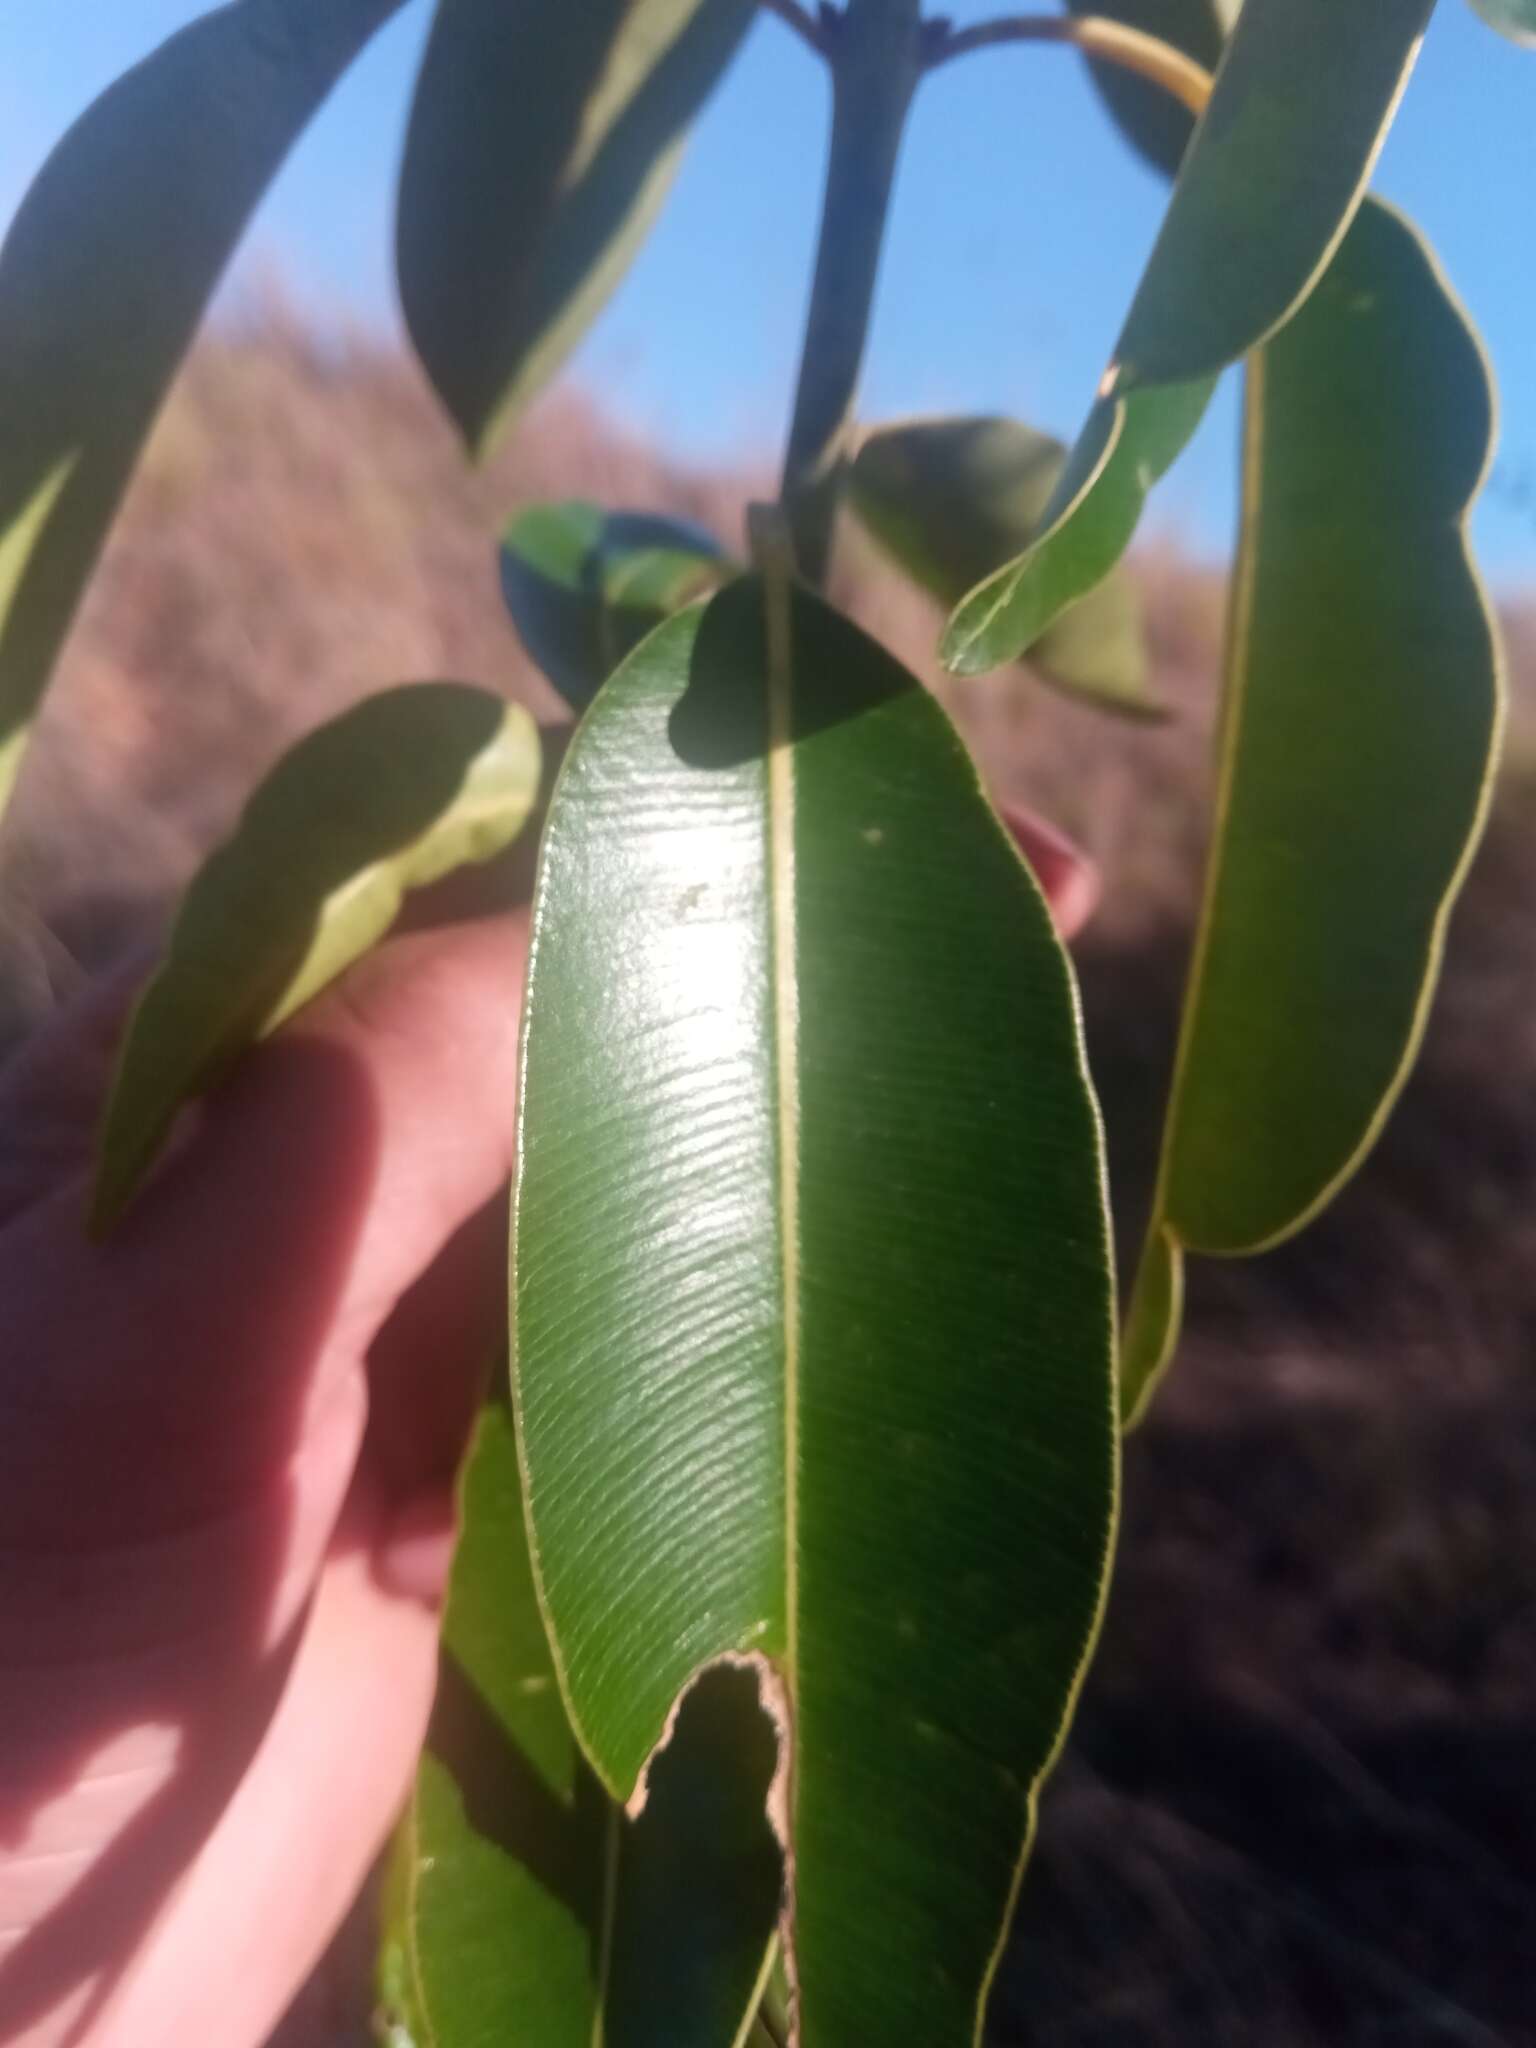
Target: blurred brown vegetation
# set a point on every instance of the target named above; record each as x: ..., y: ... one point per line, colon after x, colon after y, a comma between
x: 1301, y: 1803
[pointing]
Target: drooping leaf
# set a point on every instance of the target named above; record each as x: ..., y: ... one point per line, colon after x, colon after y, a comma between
x: 1513, y: 18
x: 521, y: 1904
x: 389, y: 796
x: 584, y: 586
x: 811, y: 1286
x: 1301, y: 106
x: 104, y: 274
x: 1152, y: 122
x: 1360, y: 721
x: 1277, y: 168
x: 951, y: 499
x: 1086, y: 526
x: 542, y: 142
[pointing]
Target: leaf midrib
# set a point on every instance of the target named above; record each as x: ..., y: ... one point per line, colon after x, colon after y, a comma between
x: 778, y: 597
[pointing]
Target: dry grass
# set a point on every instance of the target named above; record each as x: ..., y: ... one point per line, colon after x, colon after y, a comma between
x: 1301, y: 1807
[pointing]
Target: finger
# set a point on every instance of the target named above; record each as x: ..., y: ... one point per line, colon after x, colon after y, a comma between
x: 430, y: 1024
x: 428, y: 1367
x: 202, y: 1338
x: 287, y: 1856
x: 1068, y: 878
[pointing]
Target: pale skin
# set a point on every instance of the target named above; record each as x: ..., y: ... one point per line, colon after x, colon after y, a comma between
x: 227, y: 1445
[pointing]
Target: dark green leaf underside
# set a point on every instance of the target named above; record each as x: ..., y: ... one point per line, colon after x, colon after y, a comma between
x: 104, y: 274
x: 387, y: 797
x: 1153, y: 122
x: 811, y: 1282
x: 542, y: 142
x: 1513, y: 18
x: 521, y: 1905
x: 1361, y: 720
x: 584, y: 586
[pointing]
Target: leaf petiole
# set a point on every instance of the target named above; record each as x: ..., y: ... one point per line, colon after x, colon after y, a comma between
x: 1112, y: 42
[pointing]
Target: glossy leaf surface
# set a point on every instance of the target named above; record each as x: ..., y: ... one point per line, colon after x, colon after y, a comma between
x: 952, y: 499
x: 811, y: 1282
x: 1151, y: 121
x: 541, y: 145
x: 522, y: 1905
x: 584, y: 586
x: 1277, y: 168
x: 1360, y: 721
x: 104, y: 274
x: 1513, y: 18
x: 1086, y: 526
x: 389, y: 796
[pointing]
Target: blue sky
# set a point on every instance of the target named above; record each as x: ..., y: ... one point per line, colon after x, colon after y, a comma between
x: 1020, y: 224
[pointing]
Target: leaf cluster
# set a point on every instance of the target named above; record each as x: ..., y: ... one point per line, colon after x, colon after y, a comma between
x: 785, y: 1548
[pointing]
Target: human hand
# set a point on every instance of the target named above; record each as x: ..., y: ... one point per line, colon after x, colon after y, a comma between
x: 227, y: 1441
x: 227, y: 1445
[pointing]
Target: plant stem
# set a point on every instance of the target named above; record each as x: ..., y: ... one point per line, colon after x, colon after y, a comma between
x: 876, y: 50
x: 1097, y: 36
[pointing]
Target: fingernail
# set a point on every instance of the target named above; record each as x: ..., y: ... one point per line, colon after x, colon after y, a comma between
x: 415, y: 1555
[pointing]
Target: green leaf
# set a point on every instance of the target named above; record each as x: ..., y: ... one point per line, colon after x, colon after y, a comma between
x: 1513, y: 18
x: 1086, y: 526
x: 104, y: 274
x: 521, y: 1905
x: 542, y: 142
x: 950, y: 499
x: 584, y: 586
x: 1359, y: 727
x: 1277, y: 169
x: 1152, y: 122
x: 389, y: 796
x: 811, y: 1280
x: 1278, y: 166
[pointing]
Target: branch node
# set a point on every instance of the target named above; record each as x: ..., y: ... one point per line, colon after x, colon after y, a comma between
x: 815, y: 31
